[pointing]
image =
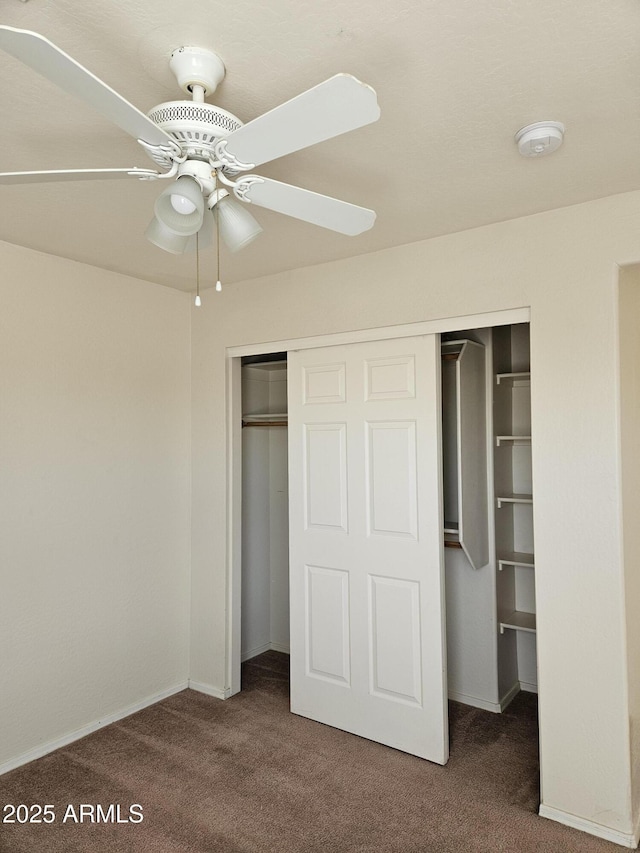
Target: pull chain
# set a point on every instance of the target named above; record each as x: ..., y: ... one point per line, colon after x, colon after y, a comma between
x: 218, y: 282
x: 198, y: 300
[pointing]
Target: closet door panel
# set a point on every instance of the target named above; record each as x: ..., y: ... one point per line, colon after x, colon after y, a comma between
x: 366, y: 556
x: 325, y: 476
x: 324, y: 383
x: 395, y: 639
x: 327, y: 603
x: 392, y: 500
x: 390, y: 378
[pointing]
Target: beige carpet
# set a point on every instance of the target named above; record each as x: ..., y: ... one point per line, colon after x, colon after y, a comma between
x: 246, y: 775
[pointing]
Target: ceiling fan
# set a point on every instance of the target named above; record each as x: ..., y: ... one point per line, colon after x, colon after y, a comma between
x: 205, y: 150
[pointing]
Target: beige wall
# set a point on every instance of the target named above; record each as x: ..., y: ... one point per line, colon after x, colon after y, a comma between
x: 94, y: 495
x: 563, y: 265
x: 94, y: 449
x: 629, y: 317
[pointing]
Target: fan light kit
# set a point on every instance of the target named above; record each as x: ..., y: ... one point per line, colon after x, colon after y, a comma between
x: 543, y: 137
x: 204, y: 150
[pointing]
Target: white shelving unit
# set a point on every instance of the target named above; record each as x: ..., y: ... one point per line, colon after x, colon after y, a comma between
x: 491, y: 621
x: 515, y: 578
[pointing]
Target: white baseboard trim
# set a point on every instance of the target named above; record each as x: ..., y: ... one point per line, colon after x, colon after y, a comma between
x: 209, y: 689
x: 218, y: 693
x: 494, y: 707
x: 510, y: 695
x: 65, y: 740
x: 625, y: 839
x: 252, y: 653
x: 483, y: 704
x: 265, y: 647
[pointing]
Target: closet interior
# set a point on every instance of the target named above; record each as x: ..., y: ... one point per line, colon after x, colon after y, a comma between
x: 488, y: 513
x: 488, y: 507
x: 265, y: 507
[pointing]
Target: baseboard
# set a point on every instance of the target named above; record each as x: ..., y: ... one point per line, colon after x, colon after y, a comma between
x: 265, y: 647
x: 528, y: 688
x: 625, y: 839
x: 494, y: 707
x: 483, y: 704
x: 252, y: 653
x: 65, y: 740
x: 510, y: 695
x: 209, y: 689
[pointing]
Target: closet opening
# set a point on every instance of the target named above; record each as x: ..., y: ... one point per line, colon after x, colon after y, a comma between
x: 488, y: 535
x: 265, y: 509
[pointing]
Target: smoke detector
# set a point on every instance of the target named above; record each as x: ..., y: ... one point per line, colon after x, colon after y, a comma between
x: 543, y: 137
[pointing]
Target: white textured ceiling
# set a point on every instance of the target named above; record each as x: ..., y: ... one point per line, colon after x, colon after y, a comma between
x: 455, y: 80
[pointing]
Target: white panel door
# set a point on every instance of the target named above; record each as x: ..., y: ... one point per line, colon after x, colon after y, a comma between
x: 366, y: 552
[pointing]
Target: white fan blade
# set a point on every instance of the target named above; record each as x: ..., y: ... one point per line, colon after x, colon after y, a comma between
x: 303, y: 204
x: 44, y: 57
x: 340, y: 104
x: 75, y: 175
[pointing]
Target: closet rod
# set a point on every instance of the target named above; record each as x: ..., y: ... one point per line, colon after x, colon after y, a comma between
x: 263, y: 424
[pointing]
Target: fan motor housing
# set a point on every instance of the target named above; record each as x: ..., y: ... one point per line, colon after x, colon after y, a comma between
x: 196, y: 127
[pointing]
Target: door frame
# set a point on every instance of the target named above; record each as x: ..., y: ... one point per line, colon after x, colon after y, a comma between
x: 233, y: 404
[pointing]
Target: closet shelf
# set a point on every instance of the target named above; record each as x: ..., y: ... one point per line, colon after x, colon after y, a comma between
x: 520, y: 378
x: 451, y: 350
x: 270, y: 419
x: 513, y: 439
x: 513, y: 499
x: 452, y: 535
x: 515, y: 558
x: 518, y: 620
